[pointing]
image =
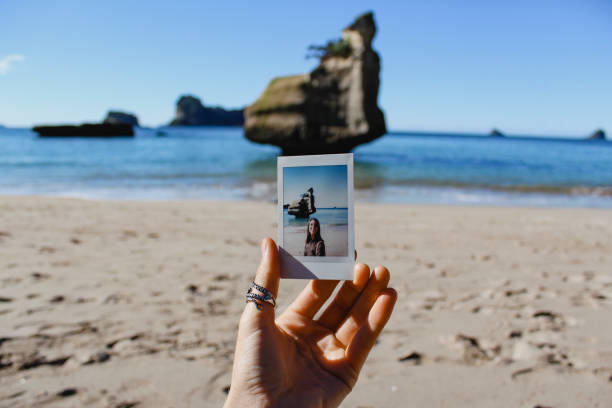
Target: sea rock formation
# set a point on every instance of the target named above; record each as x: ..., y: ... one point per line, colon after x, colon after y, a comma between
x: 496, y: 133
x: 599, y: 134
x: 86, y: 130
x: 119, y: 118
x: 191, y: 112
x: 304, y: 206
x: 331, y: 110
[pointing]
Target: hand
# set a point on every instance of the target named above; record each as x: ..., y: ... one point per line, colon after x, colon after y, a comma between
x: 300, y: 361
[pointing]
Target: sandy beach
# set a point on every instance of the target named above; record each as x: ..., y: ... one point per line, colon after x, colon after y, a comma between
x: 125, y: 304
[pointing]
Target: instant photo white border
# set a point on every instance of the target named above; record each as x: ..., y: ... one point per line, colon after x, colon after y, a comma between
x: 308, y: 267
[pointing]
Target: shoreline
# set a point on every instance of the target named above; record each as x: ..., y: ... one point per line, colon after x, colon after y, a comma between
x: 250, y: 199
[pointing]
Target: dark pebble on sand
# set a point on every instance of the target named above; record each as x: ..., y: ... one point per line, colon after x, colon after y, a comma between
x: 545, y: 313
x: 99, y: 357
x: 515, y: 334
x: 414, y: 358
x: 130, y: 404
x: 57, y: 299
x: 521, y: 372
x: 226, y: 389
x: 67, y: 392
x: 5, y: 299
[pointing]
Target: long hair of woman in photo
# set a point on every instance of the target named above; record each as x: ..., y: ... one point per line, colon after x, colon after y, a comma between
x: 315, y: 246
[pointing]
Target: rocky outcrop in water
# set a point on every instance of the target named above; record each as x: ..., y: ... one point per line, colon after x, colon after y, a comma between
x: 191, y: 112
x: 120, y: 118
x: 331, y: 110
x: 86, y: 130
x: 599, y: 134
x: 304, y: 206
x: 496, y: 133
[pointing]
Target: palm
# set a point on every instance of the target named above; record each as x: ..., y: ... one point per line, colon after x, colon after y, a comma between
x: 317, y: 356
x: 300, y: 360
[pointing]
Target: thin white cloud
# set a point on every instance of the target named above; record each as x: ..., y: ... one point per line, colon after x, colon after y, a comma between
x: 6, y: 62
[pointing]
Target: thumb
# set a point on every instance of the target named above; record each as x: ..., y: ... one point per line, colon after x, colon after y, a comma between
x: 268, y: 276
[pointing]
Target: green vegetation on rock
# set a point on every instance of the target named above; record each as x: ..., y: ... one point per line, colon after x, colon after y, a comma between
x: 333, y: 48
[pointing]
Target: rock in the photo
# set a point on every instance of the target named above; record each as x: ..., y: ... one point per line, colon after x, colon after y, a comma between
x: 331, y: 110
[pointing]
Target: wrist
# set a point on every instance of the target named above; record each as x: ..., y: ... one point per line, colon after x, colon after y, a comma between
x: 237, y: 398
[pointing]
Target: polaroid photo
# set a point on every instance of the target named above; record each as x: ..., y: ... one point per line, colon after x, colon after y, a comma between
x: 316, y: 220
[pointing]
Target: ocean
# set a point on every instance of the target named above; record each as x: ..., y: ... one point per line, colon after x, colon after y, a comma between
x: 219, y: 163
x: 326, y: 216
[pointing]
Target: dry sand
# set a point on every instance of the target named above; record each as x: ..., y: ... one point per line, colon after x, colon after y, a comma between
x: 102, y: 303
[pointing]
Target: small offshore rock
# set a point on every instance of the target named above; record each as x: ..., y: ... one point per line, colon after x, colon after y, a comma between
x: 120, y: 118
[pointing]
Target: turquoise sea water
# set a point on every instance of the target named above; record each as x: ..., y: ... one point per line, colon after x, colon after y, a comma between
x: 218, y: 163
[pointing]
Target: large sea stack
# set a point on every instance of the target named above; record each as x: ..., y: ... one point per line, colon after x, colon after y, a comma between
x: 331, y: 110
x: 191, y: 112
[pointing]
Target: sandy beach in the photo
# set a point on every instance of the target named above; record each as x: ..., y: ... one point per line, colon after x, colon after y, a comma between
x: 335, y: 237
x: 123, y: 304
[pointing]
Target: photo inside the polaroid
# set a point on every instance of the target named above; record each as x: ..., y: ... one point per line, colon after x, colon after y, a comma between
x: 315, y: 210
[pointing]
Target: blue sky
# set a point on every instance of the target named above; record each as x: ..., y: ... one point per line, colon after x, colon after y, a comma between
x: 328, y: 184
x: 525, y: 67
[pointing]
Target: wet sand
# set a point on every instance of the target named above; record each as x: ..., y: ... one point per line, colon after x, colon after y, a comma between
x: 123, y: 304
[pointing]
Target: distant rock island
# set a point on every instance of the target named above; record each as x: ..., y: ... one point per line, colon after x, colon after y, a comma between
x: 85, y: 130
x: 117, y: 118
x: 496, y: 132
x: 331, y: 110
x: 191, y: 112
x: 599, y: 134
x: 116, y: 124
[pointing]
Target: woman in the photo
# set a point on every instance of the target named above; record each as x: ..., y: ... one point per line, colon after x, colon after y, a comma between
x: 315, y: 246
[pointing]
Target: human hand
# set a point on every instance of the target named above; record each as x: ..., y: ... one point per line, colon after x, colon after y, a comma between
x: 300, y: 361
